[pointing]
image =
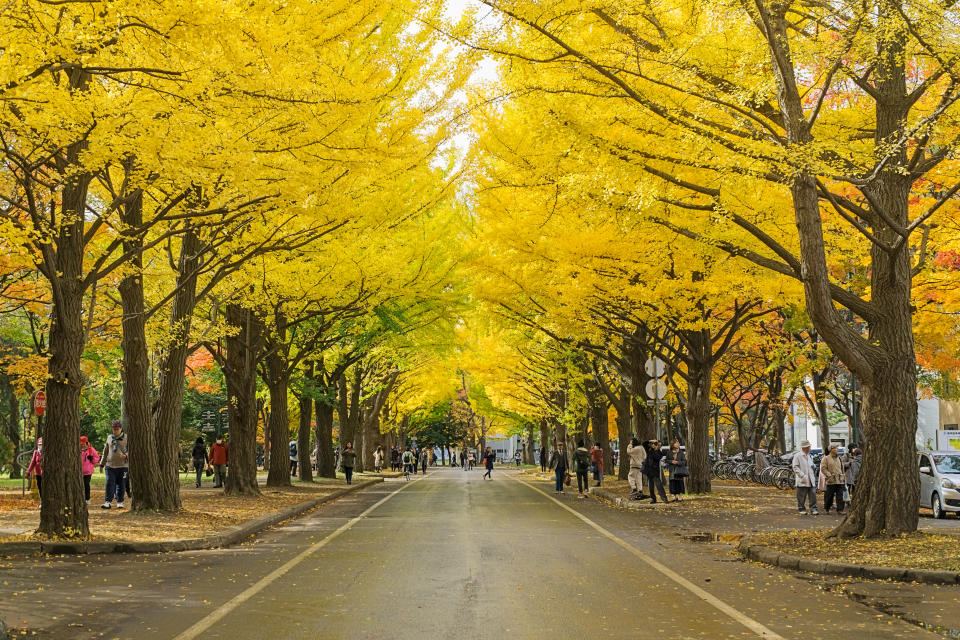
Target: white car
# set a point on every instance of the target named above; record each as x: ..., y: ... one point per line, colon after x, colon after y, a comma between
x: 940, y: 481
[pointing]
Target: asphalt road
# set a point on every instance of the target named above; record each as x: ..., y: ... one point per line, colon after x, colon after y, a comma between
x: 448, y: 555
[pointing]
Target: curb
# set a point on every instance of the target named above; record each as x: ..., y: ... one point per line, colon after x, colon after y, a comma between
x: 223, y: 538
x: 770, y: 556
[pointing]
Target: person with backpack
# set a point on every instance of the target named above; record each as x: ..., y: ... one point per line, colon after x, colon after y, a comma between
x: 407, y: 460
x: 200, y: 459
x: 488, y: 457
x: 115, y: 458
x: 581, y: 464
x: 348, y: 459
x: 559, y: 464
x: 294, y: 460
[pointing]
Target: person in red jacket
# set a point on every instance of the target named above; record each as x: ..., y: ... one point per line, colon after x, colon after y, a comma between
x: 36, y: 466
x: 219, y: 457
x: 88, y: 462
x: 596, y: 461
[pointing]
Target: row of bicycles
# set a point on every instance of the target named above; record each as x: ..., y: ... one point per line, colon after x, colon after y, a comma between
x: 771, y: 471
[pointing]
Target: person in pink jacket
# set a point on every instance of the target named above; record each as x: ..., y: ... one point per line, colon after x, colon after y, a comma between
x: 88, y: 461
x: 36, y: 466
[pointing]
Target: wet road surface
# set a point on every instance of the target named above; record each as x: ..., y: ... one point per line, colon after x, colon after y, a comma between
x: 448, y: 555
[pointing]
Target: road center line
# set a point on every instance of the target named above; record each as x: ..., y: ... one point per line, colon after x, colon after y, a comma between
x: 707, y: 597
x: 231, y: 604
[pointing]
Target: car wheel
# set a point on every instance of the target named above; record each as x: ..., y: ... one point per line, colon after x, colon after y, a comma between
x: 937, y: 507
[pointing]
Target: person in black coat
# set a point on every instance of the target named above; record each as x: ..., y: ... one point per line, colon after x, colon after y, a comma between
x: 651, y: 469
x: 677, y: 464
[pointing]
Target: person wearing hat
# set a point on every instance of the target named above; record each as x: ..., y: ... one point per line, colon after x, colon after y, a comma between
x: 806, y: 481
x: 115, y: 459
x: 88, y: 462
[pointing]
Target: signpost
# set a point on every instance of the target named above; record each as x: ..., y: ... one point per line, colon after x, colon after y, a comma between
x: 656, y: 388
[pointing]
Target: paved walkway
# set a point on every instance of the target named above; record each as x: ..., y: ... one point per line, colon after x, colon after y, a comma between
x: 445, y: 556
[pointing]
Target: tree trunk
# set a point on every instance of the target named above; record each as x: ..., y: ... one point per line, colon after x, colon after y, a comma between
x: 240, y: 372
x: 305, y: 402
x: 623, y: 430
x: 545, y: 435
x: 600, y: 425
x: 698, y: 427
x: 168, y: 413
x: 146, y: 478
x: 528, y: 455
x: 13, y: 428
x: 279, y: 420
x: 326, y: 462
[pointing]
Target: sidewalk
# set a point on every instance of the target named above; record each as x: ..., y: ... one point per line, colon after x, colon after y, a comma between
x: 209, y: 519
x: 731, y: 511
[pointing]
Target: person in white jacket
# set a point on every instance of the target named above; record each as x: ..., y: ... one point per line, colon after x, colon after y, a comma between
x: 635, y: 477
x: 802, y: 464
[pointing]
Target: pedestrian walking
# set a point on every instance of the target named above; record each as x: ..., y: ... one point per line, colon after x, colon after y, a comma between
x: 596, y: 463
x: 115, y: 460
x: 543, y: 459
x: 200, y: 458
x: 294, y: 459
x: 581, y: 464
x: 89, y: 458
x: 394, y: 459
x: 424, y: 459
x: 219, y: 458
x: 516, y: 457
x: 488, y: 457
x: 407, y: 460
x: 470, y: 460
x: 36, y: 466
x: 348, y: 459
x: 559, y: 464
x: 638, y: 455
x: 832, y: 469
x: 378, y: 459
x: 677, y: 464
x: 806, y: 481
x: 651, y: 469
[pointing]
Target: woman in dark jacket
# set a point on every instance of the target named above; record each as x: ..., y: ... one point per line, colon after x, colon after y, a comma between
x: 677, y: 464
x: 199, y: 455
x: 651, y: 469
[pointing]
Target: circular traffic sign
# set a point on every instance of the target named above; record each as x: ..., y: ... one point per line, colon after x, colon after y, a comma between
x: 656, y: 389
x: 39, y: 403
x: 654, y: 367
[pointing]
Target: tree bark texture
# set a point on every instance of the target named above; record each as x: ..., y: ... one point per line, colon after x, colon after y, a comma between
x: 240, y: 372
x: 326, y: 462
x: 168, y: 412
x: 146, y: 478
x: 698, y: 427
x: 305, y: 406
x: 63, y: 510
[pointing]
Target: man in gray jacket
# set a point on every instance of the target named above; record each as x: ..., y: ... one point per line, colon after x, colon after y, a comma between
x: 802, y: 464
x: 114, y: 458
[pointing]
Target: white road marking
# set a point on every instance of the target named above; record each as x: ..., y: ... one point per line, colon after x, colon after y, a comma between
x: 205, y: 623
x: 707, y: 597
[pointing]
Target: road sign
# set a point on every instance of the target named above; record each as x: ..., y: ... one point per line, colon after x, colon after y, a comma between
x: 656, y: 389
x: 654, y: 367
x: 39, y: 403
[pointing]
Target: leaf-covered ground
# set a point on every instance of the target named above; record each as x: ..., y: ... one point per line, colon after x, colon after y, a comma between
x: 919, y: 550
x: 204, y: 511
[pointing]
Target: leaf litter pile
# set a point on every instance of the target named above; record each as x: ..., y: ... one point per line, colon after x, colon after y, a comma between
x: 918, y: 550
x: 204, y: 512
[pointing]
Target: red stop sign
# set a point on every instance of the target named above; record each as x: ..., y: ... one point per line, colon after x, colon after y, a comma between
x: 39, y: 403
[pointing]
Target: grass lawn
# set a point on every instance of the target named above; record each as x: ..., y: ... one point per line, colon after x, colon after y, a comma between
x: 913, y: 551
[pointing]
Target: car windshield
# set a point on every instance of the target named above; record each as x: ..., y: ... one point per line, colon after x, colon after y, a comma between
x: 947, y: 464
